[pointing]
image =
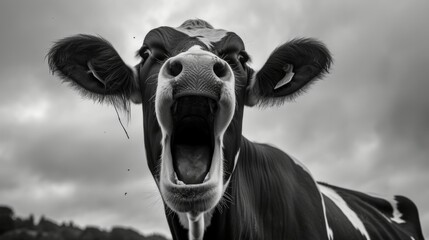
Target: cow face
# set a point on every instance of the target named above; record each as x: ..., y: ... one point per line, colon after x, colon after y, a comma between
x: 193, y: 82
x: 194, y: 79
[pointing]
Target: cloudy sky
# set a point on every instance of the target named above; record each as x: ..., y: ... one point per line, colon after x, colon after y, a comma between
x: 365, y: 126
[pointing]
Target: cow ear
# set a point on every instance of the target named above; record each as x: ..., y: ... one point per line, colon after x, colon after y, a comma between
x: 93, y: 67
x: 288, y: 71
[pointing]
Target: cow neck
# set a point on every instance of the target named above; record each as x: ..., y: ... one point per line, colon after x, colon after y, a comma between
x: 254, y: 193
x: 274, y: 197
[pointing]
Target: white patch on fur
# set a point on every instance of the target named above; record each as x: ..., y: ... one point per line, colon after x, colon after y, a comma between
x: 205, y: 35
x: 396, y: 213
x: 196, y: 226
x: 235, y: 164
x: 236, y: 159
x: 194, y: 48
x: 183, y: 219
x: 328, y: 228
x: 195, y: 222
x: 348, y: 212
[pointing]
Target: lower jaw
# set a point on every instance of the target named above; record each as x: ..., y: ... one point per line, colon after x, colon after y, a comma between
x: 191, y: 198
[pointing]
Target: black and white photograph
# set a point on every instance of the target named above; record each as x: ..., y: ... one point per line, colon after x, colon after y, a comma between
x: 203, y: 120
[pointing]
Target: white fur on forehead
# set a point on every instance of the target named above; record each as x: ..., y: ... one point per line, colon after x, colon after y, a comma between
x: 195, y: 23
x: 203, y: 31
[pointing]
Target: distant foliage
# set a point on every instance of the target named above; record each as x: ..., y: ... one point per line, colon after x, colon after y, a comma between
x: 6, y: 219
x: 15, y: 228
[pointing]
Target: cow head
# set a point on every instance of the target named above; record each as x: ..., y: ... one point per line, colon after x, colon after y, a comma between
x: 193, y: 83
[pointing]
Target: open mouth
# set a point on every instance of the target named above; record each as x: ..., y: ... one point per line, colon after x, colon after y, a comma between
x: 192, y: 165
x: 191, y: 173
x: 192, y: 140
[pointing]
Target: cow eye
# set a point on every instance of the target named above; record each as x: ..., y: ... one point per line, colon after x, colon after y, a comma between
x: 159, y: 54
x: 145, y: 53
x: 235, y: 58
x: 243, y: 58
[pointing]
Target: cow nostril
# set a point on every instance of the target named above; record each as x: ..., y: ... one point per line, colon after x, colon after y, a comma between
x: 175, y: 68
x: 220, y: 69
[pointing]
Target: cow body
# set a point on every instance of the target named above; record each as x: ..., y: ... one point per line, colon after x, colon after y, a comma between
x: 193, y: 83
x: 273, y: 196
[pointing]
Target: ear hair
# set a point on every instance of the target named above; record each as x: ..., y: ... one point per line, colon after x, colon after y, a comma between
x: 311, y: 60
x: 70, y: 57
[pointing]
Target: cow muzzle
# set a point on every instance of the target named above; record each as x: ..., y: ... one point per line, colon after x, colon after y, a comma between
x: 195, y: 102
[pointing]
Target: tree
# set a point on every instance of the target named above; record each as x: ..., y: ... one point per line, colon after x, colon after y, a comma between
x: 6, y: 219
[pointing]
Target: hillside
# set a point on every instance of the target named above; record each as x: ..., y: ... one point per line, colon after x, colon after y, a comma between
x: 16, y: 228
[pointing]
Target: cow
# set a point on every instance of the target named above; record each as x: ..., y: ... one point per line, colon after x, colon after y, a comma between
x: 193, y: 82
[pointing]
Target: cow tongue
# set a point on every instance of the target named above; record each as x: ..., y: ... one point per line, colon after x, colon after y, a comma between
x: 191, y: 163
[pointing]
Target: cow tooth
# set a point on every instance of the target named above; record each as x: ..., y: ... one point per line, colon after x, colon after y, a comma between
x: 180, y: 182
x: 207, y: 177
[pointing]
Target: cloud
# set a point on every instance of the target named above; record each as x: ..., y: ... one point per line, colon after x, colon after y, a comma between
x: 363, y: 127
